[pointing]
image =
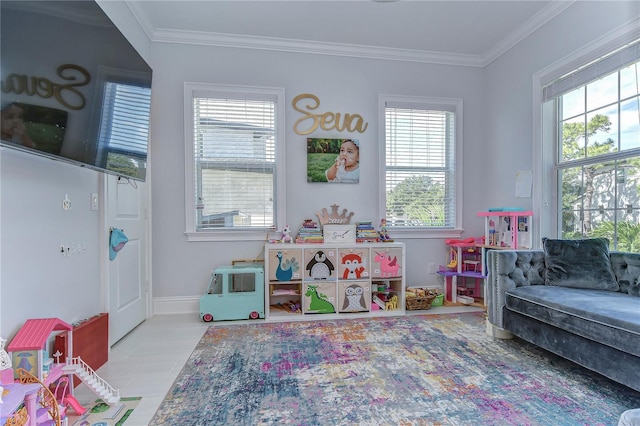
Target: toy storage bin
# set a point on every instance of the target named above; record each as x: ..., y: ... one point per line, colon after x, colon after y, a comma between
x: 354, y: 296
x: 438, y: 300
x: 319, y: 297
x: 353, y: 263
x: 320, y: 264
x: 386, y: 262
x: 284, y: 263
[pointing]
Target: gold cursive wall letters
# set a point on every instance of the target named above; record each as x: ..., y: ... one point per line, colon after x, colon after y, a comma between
x: 66, y: 94
x: 326, y: 121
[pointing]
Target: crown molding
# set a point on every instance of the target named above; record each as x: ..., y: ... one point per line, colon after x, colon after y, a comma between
x: 139, y: 16
x: 532, y: 25
x: 239, y: 41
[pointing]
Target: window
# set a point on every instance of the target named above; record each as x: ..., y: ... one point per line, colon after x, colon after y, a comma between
x: 216, y: 284
x: 420, y: 167
x: 242, y: 283
x: 594, y: 114
x: 233, y: 138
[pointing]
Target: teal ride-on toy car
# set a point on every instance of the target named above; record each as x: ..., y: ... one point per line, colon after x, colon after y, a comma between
x: 234, y: 293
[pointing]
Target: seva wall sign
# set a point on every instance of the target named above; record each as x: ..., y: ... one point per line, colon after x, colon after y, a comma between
x: 307, y: 103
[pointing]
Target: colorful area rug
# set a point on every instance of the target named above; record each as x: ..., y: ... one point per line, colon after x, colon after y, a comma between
x: 412, y: 370
x: 101, y: 414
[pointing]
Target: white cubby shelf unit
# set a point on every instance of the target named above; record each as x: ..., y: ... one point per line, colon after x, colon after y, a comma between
x: 329, y: 281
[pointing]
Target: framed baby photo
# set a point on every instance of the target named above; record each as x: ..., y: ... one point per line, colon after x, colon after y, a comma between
x: 333, y: 160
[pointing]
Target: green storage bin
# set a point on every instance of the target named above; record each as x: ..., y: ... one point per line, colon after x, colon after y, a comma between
x: 438, y: 301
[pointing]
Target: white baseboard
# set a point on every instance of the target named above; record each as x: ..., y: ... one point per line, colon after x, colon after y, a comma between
x: 191, y: 305
x: 176, y: 305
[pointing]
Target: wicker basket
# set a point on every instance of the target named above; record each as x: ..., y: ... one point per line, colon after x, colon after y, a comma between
x: 415, y: 303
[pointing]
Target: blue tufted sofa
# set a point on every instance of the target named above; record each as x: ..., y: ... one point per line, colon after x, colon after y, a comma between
x: 534, y: 296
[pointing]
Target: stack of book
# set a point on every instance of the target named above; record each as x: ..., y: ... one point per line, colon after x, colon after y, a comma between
x: 310, y: 232
x: 365, y: 233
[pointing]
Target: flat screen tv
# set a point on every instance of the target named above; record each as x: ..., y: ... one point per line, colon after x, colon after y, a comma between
x: 73, y: 87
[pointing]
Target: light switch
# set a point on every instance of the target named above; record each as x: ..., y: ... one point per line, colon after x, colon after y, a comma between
x: 94, y: 201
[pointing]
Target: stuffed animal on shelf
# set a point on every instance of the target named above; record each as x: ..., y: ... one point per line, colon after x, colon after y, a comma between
x: 286, y: 235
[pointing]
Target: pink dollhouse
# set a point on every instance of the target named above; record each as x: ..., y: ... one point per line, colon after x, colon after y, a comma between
x: 28, y: 349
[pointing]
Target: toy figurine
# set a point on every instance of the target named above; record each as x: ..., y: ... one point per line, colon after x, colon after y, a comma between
x: 383, y: 230
x: 6, y: 370
x: 5, y: 360
x: 286, y: 235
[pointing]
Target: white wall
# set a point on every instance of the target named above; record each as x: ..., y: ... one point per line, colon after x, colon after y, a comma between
x: 345, y: 85
x: 37, y: 280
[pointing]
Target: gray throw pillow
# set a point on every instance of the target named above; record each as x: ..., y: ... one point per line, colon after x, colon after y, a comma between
x: 579, y: 264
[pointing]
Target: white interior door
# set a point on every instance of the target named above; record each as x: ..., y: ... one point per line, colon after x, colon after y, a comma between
x: 127, y: 273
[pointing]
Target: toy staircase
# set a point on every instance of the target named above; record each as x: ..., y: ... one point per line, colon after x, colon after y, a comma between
x: 101, y: 388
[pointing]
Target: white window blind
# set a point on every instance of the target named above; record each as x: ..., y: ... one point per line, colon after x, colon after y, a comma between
x: 592, y: 71
x: 419, y: 166
x: 235, y: 162
x: 124, y: 128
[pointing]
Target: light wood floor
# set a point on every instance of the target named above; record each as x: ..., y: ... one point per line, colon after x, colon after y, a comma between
x: 146, y: 361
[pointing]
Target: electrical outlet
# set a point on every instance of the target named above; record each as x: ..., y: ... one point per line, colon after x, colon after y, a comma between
x: 432, y: 268
x: 66, y: 203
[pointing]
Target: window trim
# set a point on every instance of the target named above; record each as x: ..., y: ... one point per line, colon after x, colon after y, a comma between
x: 454, y: 105
x: 192, y: 89
x: 545, y: 186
